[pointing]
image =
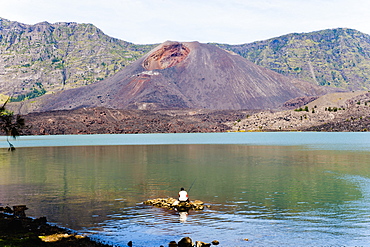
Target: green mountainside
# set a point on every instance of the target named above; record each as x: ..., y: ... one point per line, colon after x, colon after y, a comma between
x: 336, y: 57
x: 44, y: 58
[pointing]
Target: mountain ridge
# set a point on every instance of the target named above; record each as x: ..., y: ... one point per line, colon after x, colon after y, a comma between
x: 335, y: 57
x: 178, y: 75
x: 46, y: 57
x: 24, y: 70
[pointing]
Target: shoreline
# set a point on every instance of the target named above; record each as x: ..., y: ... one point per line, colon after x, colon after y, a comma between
x: 18, y: 231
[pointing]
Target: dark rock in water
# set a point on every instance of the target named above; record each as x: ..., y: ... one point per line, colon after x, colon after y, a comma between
x: 7, y: 209
x: 185, y: 242
x: 19, y: 210
x: 201, y: 244
x: 215, y: 242
x: 172, y: 244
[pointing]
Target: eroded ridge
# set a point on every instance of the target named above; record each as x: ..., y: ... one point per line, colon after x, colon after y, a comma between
x: 166, y: 56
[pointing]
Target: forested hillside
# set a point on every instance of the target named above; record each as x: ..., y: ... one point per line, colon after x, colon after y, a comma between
x: 336, y: 57
x: 41, y: 58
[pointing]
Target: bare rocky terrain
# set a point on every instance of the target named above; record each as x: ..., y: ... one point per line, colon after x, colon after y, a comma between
x: 332, y: 112
x: 113, y: 121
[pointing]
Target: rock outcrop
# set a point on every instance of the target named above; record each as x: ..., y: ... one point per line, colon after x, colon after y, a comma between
x: 18, y: 230
x: 173, y: 204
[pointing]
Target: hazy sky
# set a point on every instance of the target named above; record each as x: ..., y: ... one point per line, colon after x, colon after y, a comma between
x: 223, y: 21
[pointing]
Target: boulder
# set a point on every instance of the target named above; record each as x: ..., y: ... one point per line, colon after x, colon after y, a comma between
x: 202, y: 244
x: 172, y: 244
x: 215, y: 242
x: 185, y: 242
x: 19, y: 210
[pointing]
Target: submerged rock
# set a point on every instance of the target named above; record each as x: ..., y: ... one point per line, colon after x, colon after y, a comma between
x: 172, y: 244
x: 173, y: 204
x: 188, y: 242
x: 215, y: 242
x: 202, y: 244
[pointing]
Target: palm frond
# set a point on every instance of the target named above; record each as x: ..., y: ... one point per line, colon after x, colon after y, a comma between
x: 2, y: 108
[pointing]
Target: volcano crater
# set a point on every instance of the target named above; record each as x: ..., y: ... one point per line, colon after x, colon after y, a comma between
x: 166, y: 56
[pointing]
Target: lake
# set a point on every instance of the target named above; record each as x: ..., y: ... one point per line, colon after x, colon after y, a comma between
x: 274, y: 189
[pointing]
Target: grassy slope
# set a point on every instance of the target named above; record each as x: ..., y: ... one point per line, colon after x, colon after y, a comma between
x: 335, y: 57
x: 49, y: 57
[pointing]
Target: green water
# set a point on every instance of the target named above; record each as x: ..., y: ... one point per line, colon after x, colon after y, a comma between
x: 273, y: 195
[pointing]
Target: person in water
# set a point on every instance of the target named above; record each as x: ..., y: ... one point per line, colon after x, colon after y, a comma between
x: 183, y: 195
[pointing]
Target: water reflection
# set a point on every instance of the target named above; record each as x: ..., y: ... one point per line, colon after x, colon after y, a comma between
x: 268, y: 194
x: 183, y: 216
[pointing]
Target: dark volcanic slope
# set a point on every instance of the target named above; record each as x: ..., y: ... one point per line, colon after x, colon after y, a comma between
x: 184, y: 75
x: 112, y: 121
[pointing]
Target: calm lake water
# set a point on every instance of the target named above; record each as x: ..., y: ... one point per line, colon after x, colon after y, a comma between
x: 274, y: 189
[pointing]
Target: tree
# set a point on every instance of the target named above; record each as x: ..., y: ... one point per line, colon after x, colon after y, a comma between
x: 10, y: 124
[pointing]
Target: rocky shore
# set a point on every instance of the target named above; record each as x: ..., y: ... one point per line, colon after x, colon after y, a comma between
x: 17, y: 230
